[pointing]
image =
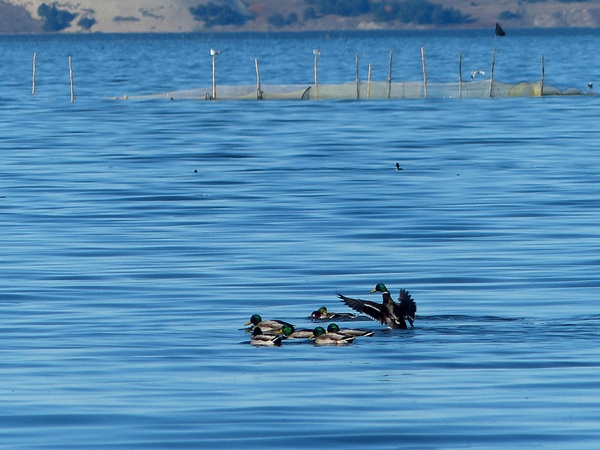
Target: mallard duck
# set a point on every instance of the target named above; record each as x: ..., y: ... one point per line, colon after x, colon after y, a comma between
x: 258, y: 338
x: 290, y: 332
x: 334, y: 328
x: 389, y: 313
x: 322, y: 337
x: 323, y: 314
x: 267, y: 326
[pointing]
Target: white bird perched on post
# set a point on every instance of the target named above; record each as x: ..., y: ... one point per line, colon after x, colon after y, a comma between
x: 477, y: 72
x: 214, y: 52
x: 316, y: 52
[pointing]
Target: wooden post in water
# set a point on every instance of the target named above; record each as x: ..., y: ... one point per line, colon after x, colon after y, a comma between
x: 34, y: 72
x: 214, y: 77
x: 357, y: 80
x: 71, y: 78
x: 542, y: 86
x: 492, y: 73
x: 258, y: 91
x: 424, y: 72
x: 369, y: 81
x: 389, y: 92
x: 460, y: 76
x: 316, y: 53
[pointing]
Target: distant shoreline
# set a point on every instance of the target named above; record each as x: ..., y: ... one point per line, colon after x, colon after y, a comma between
x: 412, y: 31
x: 289, y: 16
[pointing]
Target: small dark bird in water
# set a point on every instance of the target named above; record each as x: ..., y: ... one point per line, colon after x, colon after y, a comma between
x: 398, y: 166
x: 389, y: 313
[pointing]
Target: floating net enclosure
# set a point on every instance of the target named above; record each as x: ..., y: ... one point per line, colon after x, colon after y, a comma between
x: 369, y: 90
x: 365, y: 91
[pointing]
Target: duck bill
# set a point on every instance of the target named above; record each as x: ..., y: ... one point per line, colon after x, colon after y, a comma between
x: 373, y: 291
x: 248, y: 323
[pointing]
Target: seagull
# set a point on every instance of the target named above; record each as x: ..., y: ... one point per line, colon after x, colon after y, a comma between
x: 214, y: 52
x: 590, y: 86
x: 477, y: 72
x: 316, y: 52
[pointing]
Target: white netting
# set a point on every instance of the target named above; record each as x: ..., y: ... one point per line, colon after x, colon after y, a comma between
x: 364, y: 90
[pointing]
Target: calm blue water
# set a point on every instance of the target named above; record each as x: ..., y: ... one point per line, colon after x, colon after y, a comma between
x: 127, y: 275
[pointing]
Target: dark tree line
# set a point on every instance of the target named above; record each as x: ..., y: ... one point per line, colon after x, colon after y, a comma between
x: 55, y: 19
x: 415, y: 11
x: 278, y: 20
x: 421, y: 12
x: 347, y: 8
x: 212, y: 14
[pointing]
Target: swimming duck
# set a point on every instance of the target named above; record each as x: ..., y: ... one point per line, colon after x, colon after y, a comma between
x: 323, y: 314
x: 289, y: 332
x: 267, y: 326
x: 322, y: 337
x: 389, y: 313
x: 260, y: 339
x: 334, y: 328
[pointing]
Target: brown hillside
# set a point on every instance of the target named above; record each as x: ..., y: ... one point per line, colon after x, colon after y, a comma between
x: 161, y: 16
x: 483, y: 13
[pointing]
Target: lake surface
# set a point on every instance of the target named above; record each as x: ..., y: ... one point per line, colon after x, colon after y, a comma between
x: 139, y: 236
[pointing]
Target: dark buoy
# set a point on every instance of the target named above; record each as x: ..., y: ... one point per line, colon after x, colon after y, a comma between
x: 195, y: 171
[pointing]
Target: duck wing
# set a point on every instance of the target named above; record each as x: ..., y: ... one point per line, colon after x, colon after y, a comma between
x: 408, y: 307
x: 356, y: 333
x: 368, y: 308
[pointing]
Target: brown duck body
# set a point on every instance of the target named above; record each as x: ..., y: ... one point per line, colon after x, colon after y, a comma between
x: 388, y: 313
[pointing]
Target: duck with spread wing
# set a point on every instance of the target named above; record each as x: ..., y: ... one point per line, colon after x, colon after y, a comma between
x: 388, y: 313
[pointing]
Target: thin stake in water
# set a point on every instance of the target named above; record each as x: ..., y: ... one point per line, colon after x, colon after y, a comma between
x: 258, y: 91
x: 369, y: 81
x: 34, y: 73
x: 460, y: 76
x: 389, y: 92
x: 71, y: 78
x: 357, y: 80
x: 424, y: 72
x: 316, y: 53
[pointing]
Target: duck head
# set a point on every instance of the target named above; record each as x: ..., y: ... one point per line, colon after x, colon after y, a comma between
x: 318, y: 331
x: 319, y: 313
x: 286, y: 330
x: 333, y: 328
x: 254, y: 320
x: 379, y: 288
